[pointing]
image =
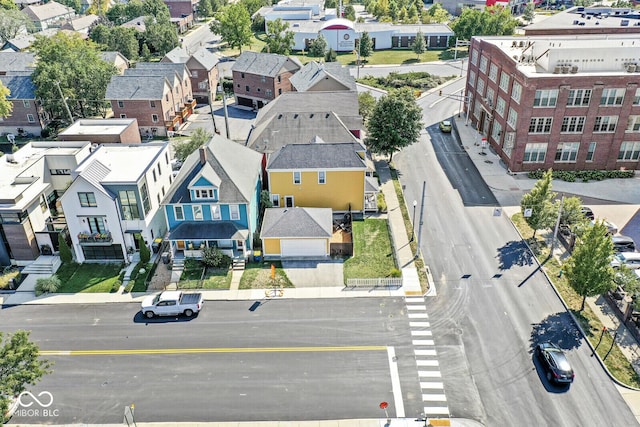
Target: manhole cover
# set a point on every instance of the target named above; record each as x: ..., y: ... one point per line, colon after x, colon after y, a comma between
x: 489, y: 161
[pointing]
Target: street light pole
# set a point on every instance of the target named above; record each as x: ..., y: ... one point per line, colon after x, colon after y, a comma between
x: 413, y: 223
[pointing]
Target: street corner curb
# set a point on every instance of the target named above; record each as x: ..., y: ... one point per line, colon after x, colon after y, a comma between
x: 431, y: 291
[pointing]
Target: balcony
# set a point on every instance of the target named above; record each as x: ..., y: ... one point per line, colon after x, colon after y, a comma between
x: 173, y: 123
x: 89, y: 238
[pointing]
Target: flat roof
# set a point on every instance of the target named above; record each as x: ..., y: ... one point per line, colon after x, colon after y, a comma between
x: 98, y: 127
x: 125, y: 162
x: 584, y: 18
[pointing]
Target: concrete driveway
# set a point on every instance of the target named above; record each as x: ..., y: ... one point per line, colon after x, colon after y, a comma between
x: 314, y: 273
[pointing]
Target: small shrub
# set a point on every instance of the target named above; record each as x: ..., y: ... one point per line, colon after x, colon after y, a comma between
x: 47, y: 285
x: 118, y: 283
x: 192, y: 263
x: 394, y: 272
x: 382, y: 204
x: 66, y: 256
x: 213, y: 257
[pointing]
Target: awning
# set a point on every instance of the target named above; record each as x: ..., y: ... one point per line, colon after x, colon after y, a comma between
x: 210, y: 230
x: 133, y: 231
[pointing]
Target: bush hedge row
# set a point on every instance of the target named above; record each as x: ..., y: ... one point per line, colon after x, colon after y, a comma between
x: 584, y: 176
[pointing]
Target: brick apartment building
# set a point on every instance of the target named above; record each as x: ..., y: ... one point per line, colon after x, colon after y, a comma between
x: 561, y: 102
x: 259, y: 78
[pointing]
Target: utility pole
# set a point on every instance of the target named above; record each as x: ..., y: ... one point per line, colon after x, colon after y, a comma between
x: 64, y: 100
x: 211, y: 95
x: 224, y: 106
x: 424, y: 188
x: 555, y: 230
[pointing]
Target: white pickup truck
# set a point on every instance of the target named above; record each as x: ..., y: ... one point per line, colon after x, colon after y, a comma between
x: 171, y: 303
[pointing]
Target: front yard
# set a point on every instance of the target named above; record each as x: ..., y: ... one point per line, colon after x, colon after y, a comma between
x: 198, y: 276
x: 257, y: 275
x: 76, y: 278
x: 372, y: 251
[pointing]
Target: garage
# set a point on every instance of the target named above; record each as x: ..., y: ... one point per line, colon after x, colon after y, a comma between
x: 303, y: 248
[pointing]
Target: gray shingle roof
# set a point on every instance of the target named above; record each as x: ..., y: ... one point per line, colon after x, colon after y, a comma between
x: 265, y: 64
x: 313, y: 73
x: 180, y: 69
x: 317, y: 156
x: 237, y: 166
x: 202, y: 230
x: 21, y: 86
x: 180, y: 55
x: 136, y: 87
x: 47, y: 11
x: 17, y: 61
x: 297, y: 222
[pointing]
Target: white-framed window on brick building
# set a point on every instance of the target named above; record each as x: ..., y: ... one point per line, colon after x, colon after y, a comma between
x: 484, y: 61
x: 545, y: 98
x: 496, y: 131
x: 194, y: 73
x: 579, y: 98
x: 480, y: 87
x: 516, y: 91
x: 474, y: 56
x: 512, y: 118
x: 535, y: 152
x: 636, y: 97
x: 591, y: 151
x: 26, y: 103
x: 154, y: 118
x: 611, y: 97
x: 501, y: 104
x: 493, y: 72
x: 30, y: 118
x: 567, y: 152
x: 573, y: 124
x: 605, y: 124
x: 504, y: 81
x: 491, y: 96
x: 540, y: 124
x: 633, y: 124
x: 472, y: 78
x: 509, y: 139
x: 152, y: 104
x: 120, y: 104
x: 629, y: 151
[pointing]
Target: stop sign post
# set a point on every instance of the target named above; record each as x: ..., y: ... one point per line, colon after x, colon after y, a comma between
x: 384, y: 405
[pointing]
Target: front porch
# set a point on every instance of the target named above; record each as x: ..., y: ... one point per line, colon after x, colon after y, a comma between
x: 189, y: 239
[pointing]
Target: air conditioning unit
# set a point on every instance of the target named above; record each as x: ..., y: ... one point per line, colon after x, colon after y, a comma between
x: 631, y: 68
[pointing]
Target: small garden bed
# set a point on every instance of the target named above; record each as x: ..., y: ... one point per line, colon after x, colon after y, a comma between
x: 258, y: 276
x: 7, y: 277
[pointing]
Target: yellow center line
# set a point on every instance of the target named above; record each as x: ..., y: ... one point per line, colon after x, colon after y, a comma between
x: 209, y: 350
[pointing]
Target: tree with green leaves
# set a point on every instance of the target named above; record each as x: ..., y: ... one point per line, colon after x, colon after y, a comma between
x: 538, y: 207
x: 204, y: 8
x: 5, y: 105
x: 66, y: 256
x: 73, y: 4
x: 331, y: 55
x: 318, y: 47
x: 529, y: 12
x: 156, y: 8
x: 571, y: 213
x: 419, y: 45
x: 349, y: 12
x: 101, y: 35
x: 160, y: 36
x: 8, y: 4
x: 366, y: 104
x: 491, y: 21
x: 365, y: 45
x: 588, y: 270
x: 233, y: 24
x: 20, y: 366
x: 252, y: 6
x: 12, y: 21
x: 279, y: 38
x: 395, y: 123
x: 69, y: 64
x: 145, y: 254
x: 125, y: 41
x: 436, y: 14
x: 199, y: 138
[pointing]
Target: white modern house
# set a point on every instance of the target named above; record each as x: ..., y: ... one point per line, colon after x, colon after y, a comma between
x: 114, y: 198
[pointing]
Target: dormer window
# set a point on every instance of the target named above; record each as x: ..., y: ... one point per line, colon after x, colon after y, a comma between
x: 207, y: 193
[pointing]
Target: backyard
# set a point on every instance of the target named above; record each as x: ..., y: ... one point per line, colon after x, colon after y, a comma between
x: 373, y: 255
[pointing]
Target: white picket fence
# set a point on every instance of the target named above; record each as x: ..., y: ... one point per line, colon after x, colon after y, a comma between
x: 379, y: 282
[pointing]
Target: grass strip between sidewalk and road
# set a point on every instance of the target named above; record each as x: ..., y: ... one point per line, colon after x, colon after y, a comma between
x: 617, y: 364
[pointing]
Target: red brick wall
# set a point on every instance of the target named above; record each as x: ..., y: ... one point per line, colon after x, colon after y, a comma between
x: 142, y: 111
x: 179, y: 8
x: 18, y: 118
x: 258, y: 87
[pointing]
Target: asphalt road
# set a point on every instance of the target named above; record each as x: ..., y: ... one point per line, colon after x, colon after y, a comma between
x: 285, y: 360
x: 492, y: 302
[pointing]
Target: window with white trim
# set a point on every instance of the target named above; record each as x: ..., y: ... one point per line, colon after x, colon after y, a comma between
x: 509, y: 142
x: 215, y: 212
x: 178, y: 213
x: 491, y: 96
x: 152, y: 104
x: 633, y: 124
x: 579, y: 98
x: 474, y: 56
x: 605, y: 124
x: 636, y: 97
x: 501, y: 104
x: 512, y: 119
x: 540, y: 124
x: 120, y: 104
x: 567, y: 152
x: 275, y: 200
x: 504, y: 81
x: 496, y: 131
x: 472, y: 78
x: 234, y: 212
x: 546, y: 98
x: 203, y: 193
x: 516, y: 91
x: 297, y: 177
x: 154, y: 118
x: 480, y: 87
x: 30, y: 118
x: 629, y: 151
x: 493, y: 72
x: 87, y: 200
x: 591, y: 151
x: 26, y: 103
x: 574, y: 124
x: 322, y: 177
x: 197, y: 212
x: 612, y: 97
x: 535, y: 152
x: 484, y: 61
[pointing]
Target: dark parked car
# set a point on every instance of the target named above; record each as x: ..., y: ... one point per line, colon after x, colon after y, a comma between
x: 623, y: 244
x: 588, y: 213
x: 555, y: 363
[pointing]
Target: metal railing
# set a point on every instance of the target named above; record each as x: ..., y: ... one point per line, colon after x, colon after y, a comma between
x: 379, y: 282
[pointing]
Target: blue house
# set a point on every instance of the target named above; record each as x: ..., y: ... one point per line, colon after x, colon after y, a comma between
x: 214, y: 201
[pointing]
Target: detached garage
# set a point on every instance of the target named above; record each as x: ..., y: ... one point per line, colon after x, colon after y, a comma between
x: 296, y: 233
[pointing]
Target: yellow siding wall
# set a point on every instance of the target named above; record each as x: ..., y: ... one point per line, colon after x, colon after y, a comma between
x: 271, y: 246
x: 340, y: 189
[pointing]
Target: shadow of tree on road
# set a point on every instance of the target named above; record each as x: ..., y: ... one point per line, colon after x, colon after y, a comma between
x: 514, y: 253
x: 557, y: 328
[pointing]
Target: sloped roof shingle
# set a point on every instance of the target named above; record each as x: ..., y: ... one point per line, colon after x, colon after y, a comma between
x: 265, y: 64
x: 297, y: 222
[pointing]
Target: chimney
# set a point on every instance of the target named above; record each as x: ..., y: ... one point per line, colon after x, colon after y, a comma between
x: 203, y: 155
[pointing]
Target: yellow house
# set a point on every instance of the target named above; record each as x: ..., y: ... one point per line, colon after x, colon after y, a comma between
x: 320, y: 175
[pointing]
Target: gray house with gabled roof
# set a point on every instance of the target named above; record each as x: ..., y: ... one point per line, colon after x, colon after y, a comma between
x: 258, y: 78
x: 203, y: 70
x: 27, y: 114
x: 325, y: 77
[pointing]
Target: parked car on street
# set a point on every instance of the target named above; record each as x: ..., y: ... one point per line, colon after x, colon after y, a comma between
x: 611, y: 227
x: 629, y: 259
x: 588, y: 213
x: 445, y: 126
x: 555, y: 363
x: 623, y: 243
x: 172, y: 303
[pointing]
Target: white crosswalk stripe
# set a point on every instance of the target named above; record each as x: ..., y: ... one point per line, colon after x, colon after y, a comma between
x: 420, y: 352
x: 436, y: 410
x: 418, y: 316
x: 427, y: 363
x: 419, y: 324
x: 416, y: 307
x: 423, y: 342
x: 432, y: 385
x: 421, y: 333
x: 434, y: 398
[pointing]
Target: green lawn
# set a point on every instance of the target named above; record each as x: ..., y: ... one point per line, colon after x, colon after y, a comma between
x: 76, y: 278
x: 372, y: 252
x: 617, y: 364
x: 139, y: 280
x: 197, y: 276
x: 257, y: 275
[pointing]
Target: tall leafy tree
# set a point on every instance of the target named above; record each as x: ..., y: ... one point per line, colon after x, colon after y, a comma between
x: 199, y: 138
x: 125, y: 41
x: 571, y: 213
x: 20, y: 366
x: 366, y: 104
x: 101, y: 35
x: 588, y: 270
x: 145, y: 254
x: 492, y: 21
x: 419, y: 45
x: 204, y: 8
x: 529, y: 12
x: 331, y: 55
x: 233, y: 24
x: 5, y: 105
x: 365, y: 45
x: 252, y: 6
x: 12, y: 21
x: 161, y: 36
x: 71, y: 65
x: 436, y: 14
x: 73, y: 4
x: 539, y: 203
x: 395, y: 123
x: 156, y: 8
x: 350, y: 12
x: 279, y: 38
x: 318, y: 46
x: 8, y: 4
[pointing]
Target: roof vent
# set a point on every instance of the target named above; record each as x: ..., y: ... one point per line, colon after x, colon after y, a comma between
x: 557, y: 69
x: 631, y: 68
x: 574, y: 69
